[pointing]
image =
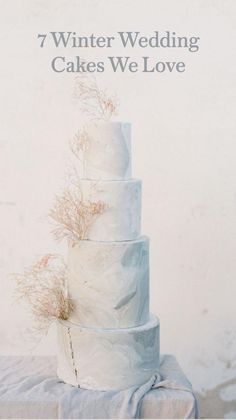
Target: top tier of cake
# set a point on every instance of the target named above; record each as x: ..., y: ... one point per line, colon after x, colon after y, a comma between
x: 107, y: 179
x: 108, y: 152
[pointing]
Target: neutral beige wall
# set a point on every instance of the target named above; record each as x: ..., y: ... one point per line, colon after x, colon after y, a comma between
x: 183, y: 149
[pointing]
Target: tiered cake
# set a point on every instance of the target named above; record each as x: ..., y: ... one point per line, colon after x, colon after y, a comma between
x: 110, y: 341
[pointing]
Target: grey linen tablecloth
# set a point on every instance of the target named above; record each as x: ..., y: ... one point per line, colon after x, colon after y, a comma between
x: 29, y: 388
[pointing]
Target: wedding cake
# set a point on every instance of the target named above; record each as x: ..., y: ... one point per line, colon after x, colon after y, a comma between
x: 110, y: 341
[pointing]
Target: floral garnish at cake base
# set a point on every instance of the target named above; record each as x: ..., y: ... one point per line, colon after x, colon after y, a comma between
x: 43, y: 286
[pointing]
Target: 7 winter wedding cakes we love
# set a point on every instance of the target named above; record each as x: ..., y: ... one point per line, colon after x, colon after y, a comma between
x: 99, y: 298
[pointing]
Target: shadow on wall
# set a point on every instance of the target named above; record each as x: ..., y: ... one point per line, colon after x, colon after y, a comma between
x: 219, y: 402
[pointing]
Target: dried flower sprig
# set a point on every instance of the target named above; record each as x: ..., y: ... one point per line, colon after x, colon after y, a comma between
x: 43, y: 287
x: 95, y: 102
x: 74, y: 215
x: 80, y: 144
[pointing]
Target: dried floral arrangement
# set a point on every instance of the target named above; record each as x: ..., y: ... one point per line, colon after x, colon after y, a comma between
x: 74, y: 215
x: 43, y: 287
x: 95, y: 102
x: 79, y: 145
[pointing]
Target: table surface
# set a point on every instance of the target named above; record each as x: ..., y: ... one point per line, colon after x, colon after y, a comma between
x: 29, y: 388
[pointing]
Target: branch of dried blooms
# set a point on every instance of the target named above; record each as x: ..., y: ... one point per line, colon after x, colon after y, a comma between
x: 43, y: 287
x: 79, y: 144
x: 74, y: 215
x: 95, y: 102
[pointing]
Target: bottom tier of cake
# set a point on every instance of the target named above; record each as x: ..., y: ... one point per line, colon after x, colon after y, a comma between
x: 107, y: 359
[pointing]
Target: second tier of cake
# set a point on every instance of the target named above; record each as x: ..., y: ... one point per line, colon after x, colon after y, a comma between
x: 121, y: 218
x: 108, y: 283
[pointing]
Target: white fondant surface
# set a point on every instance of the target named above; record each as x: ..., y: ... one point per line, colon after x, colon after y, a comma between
x: 109, y: 343
x: 121, y: 220
x: 108, y: 155
x: 107, y: 359
x: 109, y: 283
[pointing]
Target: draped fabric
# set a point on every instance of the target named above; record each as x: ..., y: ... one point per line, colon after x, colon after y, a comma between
x: 29, y: 388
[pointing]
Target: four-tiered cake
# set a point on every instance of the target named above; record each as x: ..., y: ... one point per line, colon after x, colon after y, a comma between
x: 110, y: 341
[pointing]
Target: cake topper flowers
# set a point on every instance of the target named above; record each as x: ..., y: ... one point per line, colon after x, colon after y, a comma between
x: 95, y: 102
